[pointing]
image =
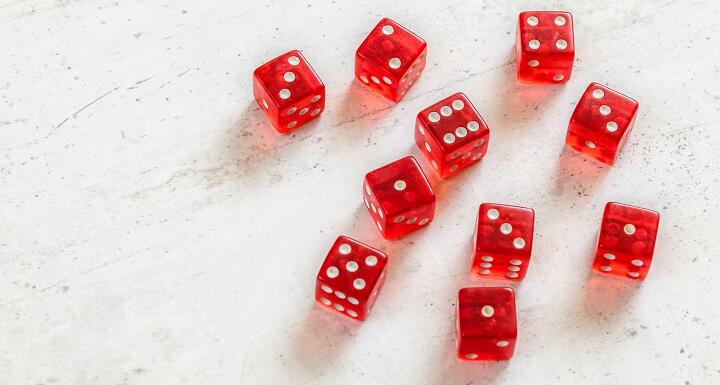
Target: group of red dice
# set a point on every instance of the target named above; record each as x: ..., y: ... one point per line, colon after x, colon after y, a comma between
x: 453, y: 136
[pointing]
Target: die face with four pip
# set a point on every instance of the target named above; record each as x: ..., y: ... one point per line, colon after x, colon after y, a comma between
x: 601, y: 122
x: 288, y: 91
x: 399, y: 198
x: 626, y: 241
x: 502, y: 242
x: 390, y: 59
x: 486, y: 323
x: 545, y: 47
x: 452, y: 135
x: 350, y: 278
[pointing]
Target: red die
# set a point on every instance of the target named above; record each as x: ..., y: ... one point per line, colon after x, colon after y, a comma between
x: 545, y: 47
x: 390, y: 59
x: 486, y: 323
x: 288, y: 91
x: 399, y: 198
x: 502, y: 243
x: 350, y: 278
x: 452, y: 134
x: 601, y: 122
x: 626, y: 241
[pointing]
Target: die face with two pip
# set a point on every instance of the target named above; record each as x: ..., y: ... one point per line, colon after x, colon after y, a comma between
x: 288, y: 91
x: 545, y: 47
x: 452, y: 135
x: 502, y: 242
x: 390, y: 59
x: 399, y: 198
x: 626, y: 241
x: 601, y: 122
x: 486, y: 323
x: 350, y: 278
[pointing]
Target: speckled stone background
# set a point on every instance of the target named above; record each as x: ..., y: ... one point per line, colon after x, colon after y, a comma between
x: 155, y: 229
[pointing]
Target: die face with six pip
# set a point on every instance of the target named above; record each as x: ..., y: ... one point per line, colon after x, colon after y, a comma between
x: 626, y: 241
x: 502, y: 242
x: 288, y: 91
x: 486, y: 323
x: 350, y: 278
x: 451, y: 134
x: 545, y: 47
x: 399, y: 198
x: 601, y: 122
x: 390, y: 59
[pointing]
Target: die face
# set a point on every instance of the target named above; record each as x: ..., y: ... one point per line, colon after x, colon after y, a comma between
x: 288, y: 91
x: 399, y: 198
x: 502, y: 242
x: 452, y: 135
x: 350, y: 278
x: 626, y: 241
x: 390, y: 59
x: 545, y: 47
x: 486, y: 323
x: 601, y: 122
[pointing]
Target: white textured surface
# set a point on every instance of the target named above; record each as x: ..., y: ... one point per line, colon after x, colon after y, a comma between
x: 155, y: 230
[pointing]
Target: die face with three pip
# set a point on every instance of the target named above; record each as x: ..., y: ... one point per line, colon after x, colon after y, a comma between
x: 601, y: 122
x: 486, y: 323
x: 399, y: 198
x: 350, y: 278
x: 452, y: 135
x: 502, y: 242
x: 545, y: 47
x: 390, y: 59
x: 626, y: 241
x: 288, y: 91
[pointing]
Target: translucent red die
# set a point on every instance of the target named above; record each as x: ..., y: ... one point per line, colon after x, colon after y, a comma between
x: 390, y: 59
x: 350, y: 278
x: 451, y: 134
x: 288, y: 91
x: 601, y: 122
x: 486, y: 323
x: 626, y: 242
x: 545, y: 47
x: 399, y: 198
x: 503, y: 240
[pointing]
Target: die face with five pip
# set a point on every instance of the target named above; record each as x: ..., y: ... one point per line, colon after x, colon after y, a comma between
x: 452, y: 135
x: 350, y: 278
x: 545, y: 47
x: 390, y: 59
x: 288, y: 91
x: 486, y: 323
x: 601, y: 122
x: 399, y: 198
x: 502, y: 242
x: 626, y: 241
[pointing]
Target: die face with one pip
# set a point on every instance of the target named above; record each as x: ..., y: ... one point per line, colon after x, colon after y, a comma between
x: 350, y: 278
x: 503, y: 240
x: 399, y: 198
x: 452, y: 135
x: 390, y: 59
x: 288, y: 91
x: 601, y: 122
x: 626, y: 241
x: 486, y: 323
x: 545, y: 47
